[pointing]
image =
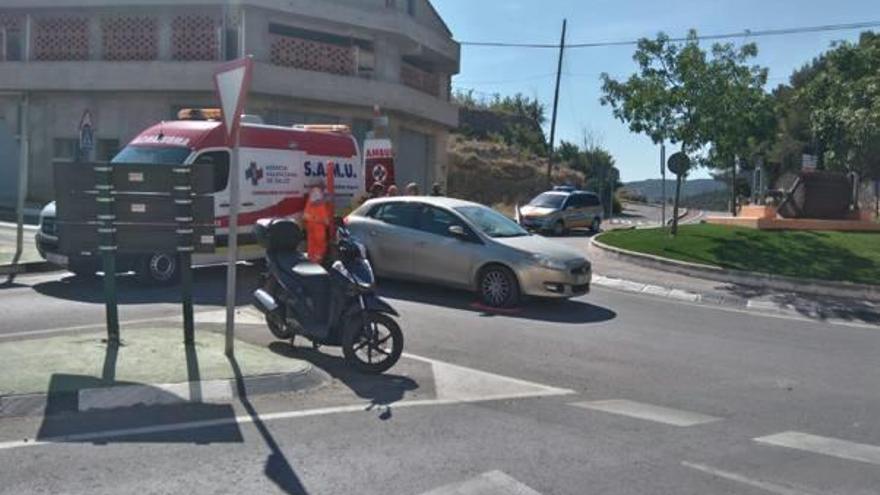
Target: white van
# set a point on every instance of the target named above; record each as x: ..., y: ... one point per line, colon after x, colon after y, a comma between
x: 278, y: 166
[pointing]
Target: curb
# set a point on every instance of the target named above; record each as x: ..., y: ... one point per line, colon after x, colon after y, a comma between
x: 813, y: 287
x: 31, y: 267
x: 205, y: 391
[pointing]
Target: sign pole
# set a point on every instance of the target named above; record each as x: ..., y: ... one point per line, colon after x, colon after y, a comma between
x: 107, y: 246
x: 185, y: 212
x: 232, y: 245
x: 232, y: 81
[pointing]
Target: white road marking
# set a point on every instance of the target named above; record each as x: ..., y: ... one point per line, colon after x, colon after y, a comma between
x: 243, y: 316
x: 648, y: 412
x: 452, y: 381
x: 833, y: 447
x: 83, y: 327
x: 763, y: 485
x: 491, y: 483
x: 494, y: 387
x: 758, y: 304
x: 207, y: 391
x: 684, y: 295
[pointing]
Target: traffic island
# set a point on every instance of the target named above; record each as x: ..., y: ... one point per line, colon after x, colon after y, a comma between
x: 834, y: 264
x: 152, y: 366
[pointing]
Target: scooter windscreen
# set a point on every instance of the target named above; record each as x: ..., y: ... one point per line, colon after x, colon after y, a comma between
x: 363, y: 273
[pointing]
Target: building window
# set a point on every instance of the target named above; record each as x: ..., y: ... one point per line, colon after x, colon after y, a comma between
x: 11, y: 38
x: 106, y: 149
x: 194, y: 37
x: 64, y: 149
x: 231, y: 50
x: 61, y: 38
x: 411, y: 7
x: 130, y: 38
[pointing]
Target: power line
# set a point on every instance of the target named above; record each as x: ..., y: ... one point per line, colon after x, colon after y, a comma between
x: 747, y: 33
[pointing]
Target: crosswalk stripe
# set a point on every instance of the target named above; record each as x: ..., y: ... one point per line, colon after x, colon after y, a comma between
x: 763, y: 485
x: 842, y: 449
x: 491, y: 483
x: 648, y: 412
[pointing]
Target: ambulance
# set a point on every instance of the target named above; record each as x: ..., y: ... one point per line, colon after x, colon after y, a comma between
x: 278, y: 166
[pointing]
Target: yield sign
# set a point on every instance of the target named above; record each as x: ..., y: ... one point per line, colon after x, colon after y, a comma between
x: 232, y: 81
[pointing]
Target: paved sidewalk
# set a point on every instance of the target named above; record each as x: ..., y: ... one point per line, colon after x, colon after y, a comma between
x: 152, y: 366
x: 618, y: 274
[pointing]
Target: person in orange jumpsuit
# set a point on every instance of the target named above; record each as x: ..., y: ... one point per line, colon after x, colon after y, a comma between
x: 318, y: 216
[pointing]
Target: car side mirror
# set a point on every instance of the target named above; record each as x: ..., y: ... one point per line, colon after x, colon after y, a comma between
x: 457, y: 231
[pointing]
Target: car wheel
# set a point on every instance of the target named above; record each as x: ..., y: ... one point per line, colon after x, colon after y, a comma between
x: 159, y: 269
x: 596, y: 225
x: 498, y: 287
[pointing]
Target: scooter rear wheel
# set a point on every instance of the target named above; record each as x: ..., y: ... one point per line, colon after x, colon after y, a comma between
x: 373, y: 346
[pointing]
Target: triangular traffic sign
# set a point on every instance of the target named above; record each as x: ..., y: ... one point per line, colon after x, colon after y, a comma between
x: 232, y: 81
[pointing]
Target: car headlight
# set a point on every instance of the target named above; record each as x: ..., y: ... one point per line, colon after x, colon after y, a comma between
x: 547, y: 262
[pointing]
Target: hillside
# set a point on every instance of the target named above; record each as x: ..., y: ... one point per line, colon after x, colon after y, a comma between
x: 651, y: 189
x: 495, y: 173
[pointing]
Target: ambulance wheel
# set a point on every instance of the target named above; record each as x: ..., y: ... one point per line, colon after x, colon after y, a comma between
x: 159, y: 269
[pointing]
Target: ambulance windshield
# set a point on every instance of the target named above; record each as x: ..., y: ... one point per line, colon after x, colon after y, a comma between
x: 159, y: 155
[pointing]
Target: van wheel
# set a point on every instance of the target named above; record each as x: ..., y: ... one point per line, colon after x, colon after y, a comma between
x: 558, y: 229
x: 159, y: 269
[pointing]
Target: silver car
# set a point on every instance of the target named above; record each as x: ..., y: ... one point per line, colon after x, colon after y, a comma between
x: 462, y: 244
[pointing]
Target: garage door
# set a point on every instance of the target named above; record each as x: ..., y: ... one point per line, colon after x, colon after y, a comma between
x: 414, y: 162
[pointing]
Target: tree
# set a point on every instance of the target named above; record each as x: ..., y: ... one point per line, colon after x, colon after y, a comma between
x: 664, y: 99
x: 843, y: 98
x: 738, y: 116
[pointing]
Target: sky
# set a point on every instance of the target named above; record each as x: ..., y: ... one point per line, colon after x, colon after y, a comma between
x: 532, y: 71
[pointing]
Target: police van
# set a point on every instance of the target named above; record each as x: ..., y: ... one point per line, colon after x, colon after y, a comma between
x: 278, y: 166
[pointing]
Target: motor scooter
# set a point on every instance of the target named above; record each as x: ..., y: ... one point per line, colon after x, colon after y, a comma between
x: 334, y: 306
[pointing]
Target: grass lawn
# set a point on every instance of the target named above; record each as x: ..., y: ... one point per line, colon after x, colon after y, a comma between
x: 839, y: 256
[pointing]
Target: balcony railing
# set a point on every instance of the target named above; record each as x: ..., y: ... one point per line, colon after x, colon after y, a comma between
x: 419, y: 79
x: 311, y: 55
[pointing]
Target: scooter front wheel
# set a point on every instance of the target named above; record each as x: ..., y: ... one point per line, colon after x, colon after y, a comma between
x: 372, y: 345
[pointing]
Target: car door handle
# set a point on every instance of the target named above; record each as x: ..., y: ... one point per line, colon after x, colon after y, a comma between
x: 224, y: 205
x: 247, y: 204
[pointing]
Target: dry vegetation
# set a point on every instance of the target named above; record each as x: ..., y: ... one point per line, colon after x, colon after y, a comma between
x: 496, y: 174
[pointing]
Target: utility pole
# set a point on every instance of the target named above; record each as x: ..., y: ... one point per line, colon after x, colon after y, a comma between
x: 556, y: 105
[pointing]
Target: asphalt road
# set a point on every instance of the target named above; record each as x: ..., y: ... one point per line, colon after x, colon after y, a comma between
x: 658, y: 397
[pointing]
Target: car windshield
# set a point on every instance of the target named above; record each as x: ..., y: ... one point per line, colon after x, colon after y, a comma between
x: 548, y: 200
x: 490, y: 222
x: 158, y: 155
